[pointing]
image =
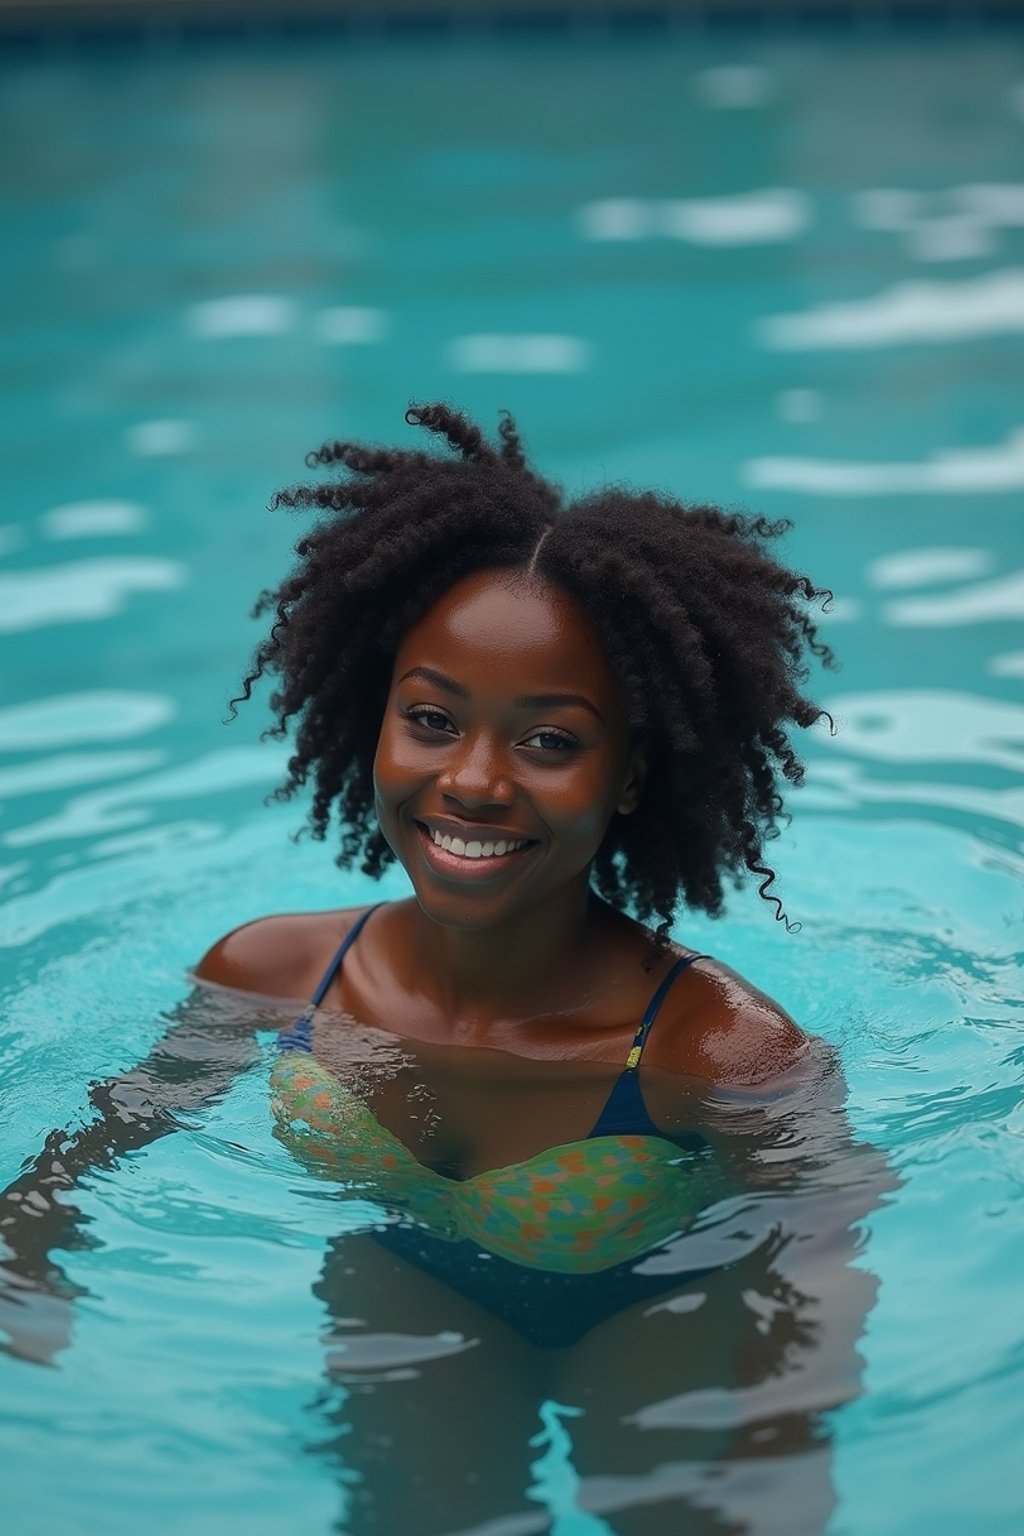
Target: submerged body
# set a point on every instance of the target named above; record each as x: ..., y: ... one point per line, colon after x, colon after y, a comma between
x: 495, y: 800
x: 549, y: 1239
x: 523, y: 1235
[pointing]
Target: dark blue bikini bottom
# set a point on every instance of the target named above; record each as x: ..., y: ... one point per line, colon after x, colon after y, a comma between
x: 549, y: 1309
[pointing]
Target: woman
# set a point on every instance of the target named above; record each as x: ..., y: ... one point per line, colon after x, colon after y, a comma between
x: 607, y: 687
x: 562, y: 722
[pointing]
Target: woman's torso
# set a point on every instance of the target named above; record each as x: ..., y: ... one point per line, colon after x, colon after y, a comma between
x: 504, y: 1091
x: 463, y: 1109
x: 476, y: 1141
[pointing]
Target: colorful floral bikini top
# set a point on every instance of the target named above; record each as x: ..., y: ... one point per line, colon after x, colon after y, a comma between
x: 575, y: 1209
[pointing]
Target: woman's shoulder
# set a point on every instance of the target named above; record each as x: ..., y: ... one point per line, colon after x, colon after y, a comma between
x: 721, y: 1028
x: 283, y: 955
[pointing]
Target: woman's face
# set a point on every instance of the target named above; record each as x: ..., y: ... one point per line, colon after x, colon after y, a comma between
x: 504, y: 750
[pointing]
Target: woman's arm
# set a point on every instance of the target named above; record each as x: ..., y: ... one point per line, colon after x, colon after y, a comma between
x: 748, y: 1363
x: 189, y: 1068
x: 210, y: 1040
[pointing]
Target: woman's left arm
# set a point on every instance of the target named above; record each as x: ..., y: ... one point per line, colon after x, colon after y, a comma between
x: 746, y: 1364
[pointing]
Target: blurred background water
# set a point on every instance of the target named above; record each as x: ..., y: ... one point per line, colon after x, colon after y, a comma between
x: 780, y: 269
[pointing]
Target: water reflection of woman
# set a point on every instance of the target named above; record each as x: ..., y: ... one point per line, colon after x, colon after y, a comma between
x: 562, y: 721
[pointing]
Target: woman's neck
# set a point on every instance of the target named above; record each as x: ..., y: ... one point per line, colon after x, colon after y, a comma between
x: 526, y: 967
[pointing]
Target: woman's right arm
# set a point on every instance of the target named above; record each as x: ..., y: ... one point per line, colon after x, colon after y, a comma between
x: 190, y: 1067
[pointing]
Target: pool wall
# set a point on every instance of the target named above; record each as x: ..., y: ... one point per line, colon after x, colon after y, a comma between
x: 127, y: 19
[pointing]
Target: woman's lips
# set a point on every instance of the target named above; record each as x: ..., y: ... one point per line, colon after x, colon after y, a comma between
x: 459, y: 867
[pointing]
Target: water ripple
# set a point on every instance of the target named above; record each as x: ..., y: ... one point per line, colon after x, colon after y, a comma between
x: 83, y: 589
x: 65, y: 720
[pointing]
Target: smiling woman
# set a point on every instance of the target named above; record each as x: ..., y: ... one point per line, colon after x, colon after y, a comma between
x: 561, y: 721
x: 471, y: 762
x: 604, y: 688
x: 485, y: 737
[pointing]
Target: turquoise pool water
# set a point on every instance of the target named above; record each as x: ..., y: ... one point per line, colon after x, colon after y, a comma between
x: 785, y: 272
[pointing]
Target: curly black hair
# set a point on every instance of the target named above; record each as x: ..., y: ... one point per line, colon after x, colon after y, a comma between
x: 706, y: 632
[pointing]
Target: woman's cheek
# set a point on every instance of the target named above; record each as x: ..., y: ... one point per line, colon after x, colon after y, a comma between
x: 582, y: 812
x: 389, y: 768
x: 387, y: 790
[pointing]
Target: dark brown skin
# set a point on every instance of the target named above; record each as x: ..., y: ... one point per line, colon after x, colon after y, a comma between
x: 461, y: 749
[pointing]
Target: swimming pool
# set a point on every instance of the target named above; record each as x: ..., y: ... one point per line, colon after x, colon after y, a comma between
x: 769, y: 270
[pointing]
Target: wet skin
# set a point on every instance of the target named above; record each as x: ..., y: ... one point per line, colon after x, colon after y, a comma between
x: 505, y: 721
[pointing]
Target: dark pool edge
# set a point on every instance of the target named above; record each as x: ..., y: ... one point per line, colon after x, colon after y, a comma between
x: 37, y: 27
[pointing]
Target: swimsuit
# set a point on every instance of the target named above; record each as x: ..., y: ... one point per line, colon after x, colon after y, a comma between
x: 551, y: 1243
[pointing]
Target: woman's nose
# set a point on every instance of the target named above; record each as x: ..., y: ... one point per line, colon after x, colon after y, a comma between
x: 477, y: 774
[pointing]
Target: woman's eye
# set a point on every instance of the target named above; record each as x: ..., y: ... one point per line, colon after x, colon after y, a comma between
x: 433, y: 719
x: 550, y: 741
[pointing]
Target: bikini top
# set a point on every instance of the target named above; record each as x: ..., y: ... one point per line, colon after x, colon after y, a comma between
x: 624, y: 1112
x: 576, y: 1208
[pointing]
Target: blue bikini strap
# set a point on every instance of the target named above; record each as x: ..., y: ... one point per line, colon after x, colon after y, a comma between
x: 636, y: 1050
x: 624, y: 1112
x: 300, y: 1036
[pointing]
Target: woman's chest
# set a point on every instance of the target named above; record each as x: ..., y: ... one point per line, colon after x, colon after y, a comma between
x: 462, y: 1118
x: 538, y: 1190
x: 464, y: 1111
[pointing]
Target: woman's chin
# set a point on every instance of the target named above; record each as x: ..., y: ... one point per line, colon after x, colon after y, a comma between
x: 467, y: 911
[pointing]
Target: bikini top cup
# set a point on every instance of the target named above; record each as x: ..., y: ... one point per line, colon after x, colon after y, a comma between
x: 574, y: 1209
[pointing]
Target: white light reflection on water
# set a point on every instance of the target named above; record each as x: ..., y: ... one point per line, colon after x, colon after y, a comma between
x: 765, y: 216
x: 1009, y: 664
x: 923, y: 567
x: 128, y: 805
x: 96, y: 714
x: 94, y: 520
x: 908, y: 313
x: 83, y: 589
x: 917, y: 725
x: 946, y: 471
x: 243, y: 314
x: 987, y: 602
x: 161, y: 438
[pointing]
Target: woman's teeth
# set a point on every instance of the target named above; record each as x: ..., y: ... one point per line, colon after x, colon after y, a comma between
x: 474, y: 849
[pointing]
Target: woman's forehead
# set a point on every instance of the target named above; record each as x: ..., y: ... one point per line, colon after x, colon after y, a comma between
x: 513, y: 622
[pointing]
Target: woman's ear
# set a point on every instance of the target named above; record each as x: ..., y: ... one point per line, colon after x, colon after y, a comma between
x: 633, y: 784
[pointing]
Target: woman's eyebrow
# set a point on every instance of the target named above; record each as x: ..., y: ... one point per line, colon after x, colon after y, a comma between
x: 439, y: 680
x: 523, y: 701
x: 553, y: 700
